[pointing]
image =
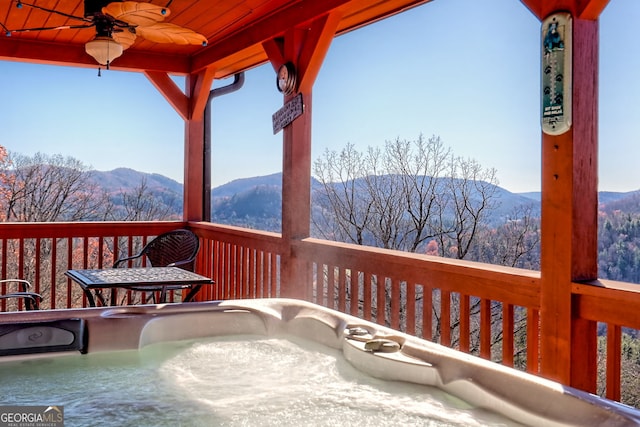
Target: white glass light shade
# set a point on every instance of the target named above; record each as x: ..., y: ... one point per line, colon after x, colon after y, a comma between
x: 103, y: 49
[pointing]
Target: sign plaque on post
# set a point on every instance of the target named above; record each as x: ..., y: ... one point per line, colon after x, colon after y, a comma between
x: 556, y: 74
x: 287, y: 114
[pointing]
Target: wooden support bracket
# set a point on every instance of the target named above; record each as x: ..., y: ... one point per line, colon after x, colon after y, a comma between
x: 190, y: 106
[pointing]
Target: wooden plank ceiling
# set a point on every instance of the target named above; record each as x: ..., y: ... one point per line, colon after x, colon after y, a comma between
x: 235, y: 30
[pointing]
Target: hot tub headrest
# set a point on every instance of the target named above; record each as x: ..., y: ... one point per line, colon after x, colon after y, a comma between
x: 42, y: 337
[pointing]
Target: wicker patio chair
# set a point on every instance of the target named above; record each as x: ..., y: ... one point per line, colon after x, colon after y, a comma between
x: 177, y: 248
x: 31, y: 299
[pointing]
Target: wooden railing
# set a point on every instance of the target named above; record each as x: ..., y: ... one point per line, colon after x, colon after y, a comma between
x: 243, y: 263
x: 614, y: 305
x: 42, y: 252
x: 468, y: 306
x: 482, y: 309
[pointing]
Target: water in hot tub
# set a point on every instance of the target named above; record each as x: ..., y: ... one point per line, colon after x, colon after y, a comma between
x: 232, y: 381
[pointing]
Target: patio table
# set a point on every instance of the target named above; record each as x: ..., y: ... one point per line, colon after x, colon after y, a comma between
x: 144, y: 278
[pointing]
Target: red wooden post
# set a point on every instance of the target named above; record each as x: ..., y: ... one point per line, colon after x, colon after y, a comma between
x: 569, y: 207
x: 305, y: 48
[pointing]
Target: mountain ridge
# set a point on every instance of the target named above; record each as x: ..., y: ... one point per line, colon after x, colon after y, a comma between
x: 247, y: 201
x: 120, y: 178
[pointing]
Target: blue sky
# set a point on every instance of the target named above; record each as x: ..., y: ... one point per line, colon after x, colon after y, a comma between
x: 453, y: 68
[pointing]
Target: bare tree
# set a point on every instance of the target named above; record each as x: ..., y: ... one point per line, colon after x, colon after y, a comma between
x: 516, y: 243
x: 419, y: 165
x: 140, y: 204
x: 345, y: 211
x: 47, y: 188
x: 403, y: 196
x: 467, y: 197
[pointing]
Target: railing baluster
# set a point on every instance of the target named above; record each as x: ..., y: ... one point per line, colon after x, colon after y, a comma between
x: 69, y: 266
x: 614, y: 365
x: 218, y: 258
x: 240, y: 272
x: 38, y: 265
x: 507, y: 334
x: 465, y: 323
x: 235, y: 262
x: 239, y: 279
x: 427, y: 312
x: 3, y: 287
x: 445, y: 318
x: 533, y: 341
x: 411, y: 308
x: 395, y: 298
x: 275, y: 290
x: 251, y: 258
x: 21, y: 259
x: 100, y: 251
x: 381, y: 302
x: 342, y: 294
x: 245, y: 272
x: 261, y: 273
x: 485, y: 328
x: 331, y: 287
x: 354, y: 278
x: 54, y: 263
x: 367, y: 296
x: 225, y: 249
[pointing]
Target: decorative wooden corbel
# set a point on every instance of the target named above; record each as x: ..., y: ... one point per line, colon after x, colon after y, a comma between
x: 305, y: 47
x: 191, y: 105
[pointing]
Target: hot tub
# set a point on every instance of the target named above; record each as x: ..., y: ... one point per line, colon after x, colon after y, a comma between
x: 161, y: 353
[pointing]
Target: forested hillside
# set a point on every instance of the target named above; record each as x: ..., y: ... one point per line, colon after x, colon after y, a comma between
x: 619, y: 239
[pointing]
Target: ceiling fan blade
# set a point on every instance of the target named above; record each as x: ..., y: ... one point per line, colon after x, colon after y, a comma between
x: 124, y: 37
x: 135, y: 13
x: 170, y: 33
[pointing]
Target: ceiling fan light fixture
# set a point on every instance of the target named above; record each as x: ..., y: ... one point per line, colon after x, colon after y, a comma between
x: 103, y: 49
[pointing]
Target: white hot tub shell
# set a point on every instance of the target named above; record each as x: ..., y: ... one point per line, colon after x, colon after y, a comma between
x: 378, y: 351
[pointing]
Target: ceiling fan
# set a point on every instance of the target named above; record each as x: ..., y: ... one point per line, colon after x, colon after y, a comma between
x: 117, y: 24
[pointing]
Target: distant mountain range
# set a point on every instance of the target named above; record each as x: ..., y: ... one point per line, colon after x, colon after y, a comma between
x: 242, y: 185
x: 256, y: 200
x: 124, y: 179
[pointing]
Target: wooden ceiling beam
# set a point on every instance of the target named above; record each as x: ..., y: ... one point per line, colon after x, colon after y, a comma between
x: 265, y: 29
x: 14, y: 49
x: 140, y: 61
x: 74, y: 55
